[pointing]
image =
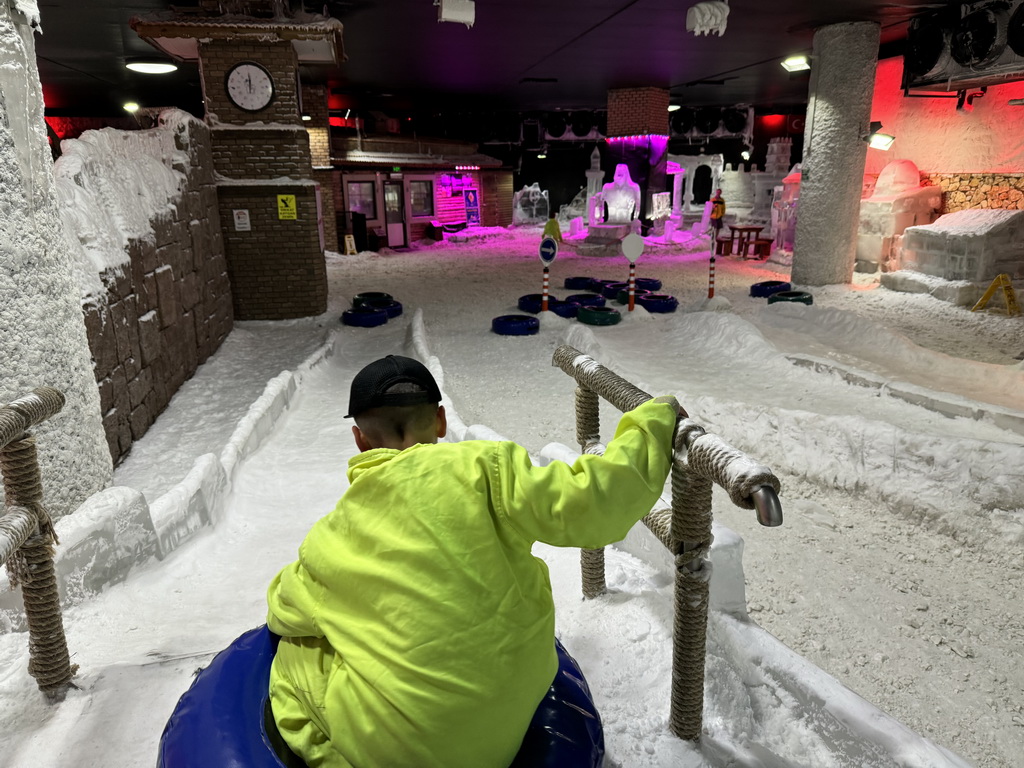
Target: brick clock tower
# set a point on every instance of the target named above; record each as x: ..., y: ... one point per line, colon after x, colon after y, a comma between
x: 271, y: 207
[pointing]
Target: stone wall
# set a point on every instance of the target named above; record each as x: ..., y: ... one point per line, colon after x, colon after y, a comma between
x: 961, y: 191
x: 167, y: 310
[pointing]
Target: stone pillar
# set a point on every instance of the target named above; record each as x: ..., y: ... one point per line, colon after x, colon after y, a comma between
x: 838, y: 114
x: 42, y: 330
x: 314, y: 106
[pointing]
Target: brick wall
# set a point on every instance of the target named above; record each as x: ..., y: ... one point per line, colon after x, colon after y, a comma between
x: 637, y: 111
x: 166, y: 312
x: 261, y: 153
x: 277, y: 269
x: 961, y: 191
x: 217, y: 57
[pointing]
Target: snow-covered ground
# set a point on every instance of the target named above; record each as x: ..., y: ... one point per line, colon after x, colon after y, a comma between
x: 897, y: 571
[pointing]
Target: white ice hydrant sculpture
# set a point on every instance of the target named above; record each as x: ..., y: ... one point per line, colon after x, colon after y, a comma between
x: 707, y: 17
x: 621, y: 196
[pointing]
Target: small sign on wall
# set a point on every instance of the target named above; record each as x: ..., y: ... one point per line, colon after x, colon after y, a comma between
x: 242, y: 222
x: 472, y: 200
x: 286, y: 207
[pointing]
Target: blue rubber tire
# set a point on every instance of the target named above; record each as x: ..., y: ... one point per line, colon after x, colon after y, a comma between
x: 599, y: 316
x: 578, y: 283
x: 648, y: 284
x: 532, y: 302
x: 597, y: 286
x: 364, y: 317
x: 392, y: 307
x: 658, y: 302
x: 565, y: 308
x: 586, y: 299
x: 611, y: 290
x: 799, y: 297
x: 361, y: 298
x: 768, y: 287
x: 515, y: 325
x: 623, y: 296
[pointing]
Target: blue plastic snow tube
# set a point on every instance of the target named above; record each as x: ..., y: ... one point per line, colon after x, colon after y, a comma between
x: 223, y: 719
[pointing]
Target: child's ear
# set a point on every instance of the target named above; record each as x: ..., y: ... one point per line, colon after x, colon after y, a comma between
x: 361, y: 442
x: 442, y: 422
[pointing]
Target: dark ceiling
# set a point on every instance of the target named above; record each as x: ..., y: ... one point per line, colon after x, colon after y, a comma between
x: 520, y: 55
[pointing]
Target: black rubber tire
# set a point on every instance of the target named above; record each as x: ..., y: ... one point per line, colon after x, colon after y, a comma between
x: 361, y: 298
x: 565, y: 308
x: 598, y: 316
x: 515, y: 325
x: 364, y: 317
x: 586, y: 299
x: 768, y: 287
x: 658, y: 302
x: 648, y: 284
x: 801, y: 297
x: 597, y: 286
x: 532, y: 302
x: 578, y: 283
x: 611, y: 290
x: 392, y: 307
x: 623, y: 297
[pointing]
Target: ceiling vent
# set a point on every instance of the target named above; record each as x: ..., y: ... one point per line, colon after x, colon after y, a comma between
x: 965, y: 46
x: 696, y: 126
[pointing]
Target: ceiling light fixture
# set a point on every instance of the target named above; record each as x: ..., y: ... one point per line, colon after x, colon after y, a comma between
x: 131, y: 106
x: 796, y: 63
x: 542, y: 156
x: 673, y: 107
x: 151, y: 66
x: 745, y: 154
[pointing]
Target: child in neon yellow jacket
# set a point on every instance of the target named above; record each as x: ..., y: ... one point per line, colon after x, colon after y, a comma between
x: 417, y: 627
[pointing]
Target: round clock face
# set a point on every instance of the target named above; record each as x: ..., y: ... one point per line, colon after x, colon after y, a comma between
x: 249, y: 86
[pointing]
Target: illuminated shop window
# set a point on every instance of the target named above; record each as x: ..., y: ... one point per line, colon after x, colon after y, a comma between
x: 421, y: 197
x: 362, y: 198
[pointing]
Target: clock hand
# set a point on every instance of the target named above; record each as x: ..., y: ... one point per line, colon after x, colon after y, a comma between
x: 248, y: 79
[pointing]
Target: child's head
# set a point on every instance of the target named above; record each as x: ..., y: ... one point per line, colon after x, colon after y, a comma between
x: 395, y: 403
x: 551, y: 213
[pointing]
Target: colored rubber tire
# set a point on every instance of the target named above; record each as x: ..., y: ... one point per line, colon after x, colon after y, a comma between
x: 567, y: 309
x: 648, y: 284
x: 658, y: 303
x: 597, y: 286
x: 361, y: 298
x: 798, y: 297
x: 515, y: 325
x: 392, y: 307
x: 532, y: 302
x: 611, y: 290
x: 364, y: 317
x: 623, y: 296
x: 769, y: 287
x: 586, y: 299
x: 578, y: 283
x: 598, y: 316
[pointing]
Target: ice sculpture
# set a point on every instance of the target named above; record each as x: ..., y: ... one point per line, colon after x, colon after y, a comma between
x: 530, y: 205
x: 621, y: 197
x: 707, y: 17
x: 898, y: 202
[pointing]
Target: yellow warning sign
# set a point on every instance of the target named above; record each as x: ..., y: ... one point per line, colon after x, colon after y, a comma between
x: 350, y: 245
x: 1003, y: 282
x: 286, y: 207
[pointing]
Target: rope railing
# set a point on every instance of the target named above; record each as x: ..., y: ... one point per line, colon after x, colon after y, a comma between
x: 700, y: 459
x: 27, y: 540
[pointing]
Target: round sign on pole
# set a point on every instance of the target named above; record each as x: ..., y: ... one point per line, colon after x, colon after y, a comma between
x: 632, y: 247
x: 548, y: 250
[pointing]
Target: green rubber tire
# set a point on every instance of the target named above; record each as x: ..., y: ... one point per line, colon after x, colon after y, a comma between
x: 598, y: 316
x: 801, y: 297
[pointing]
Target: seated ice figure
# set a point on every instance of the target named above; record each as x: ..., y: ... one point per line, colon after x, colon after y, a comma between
x: 621, y: 196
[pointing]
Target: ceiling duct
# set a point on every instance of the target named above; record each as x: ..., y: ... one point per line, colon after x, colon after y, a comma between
x: 965, y: 46
x: 696, y: 126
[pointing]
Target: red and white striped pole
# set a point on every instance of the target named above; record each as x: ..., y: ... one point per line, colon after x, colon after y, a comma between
x: 632, y: 284
x: 711, y: 278
x: 544, y: 293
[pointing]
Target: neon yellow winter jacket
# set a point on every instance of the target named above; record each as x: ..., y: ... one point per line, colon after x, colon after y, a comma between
x: 418, y: 629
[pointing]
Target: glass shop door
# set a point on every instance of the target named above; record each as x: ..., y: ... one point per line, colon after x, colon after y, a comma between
x: 394, y: 213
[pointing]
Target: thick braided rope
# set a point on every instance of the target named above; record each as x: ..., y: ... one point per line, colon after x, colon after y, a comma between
x: 32, y: 567
x: 16, y: 525
x: 18, y: 416
x: 588, y: 433
x: 591, y: 375
x: 713, y: 458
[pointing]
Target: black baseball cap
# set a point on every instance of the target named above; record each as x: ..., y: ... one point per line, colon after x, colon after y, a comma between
x: 370, y: 386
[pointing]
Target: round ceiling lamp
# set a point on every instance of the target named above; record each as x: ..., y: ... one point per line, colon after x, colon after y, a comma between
x: 151, y: 66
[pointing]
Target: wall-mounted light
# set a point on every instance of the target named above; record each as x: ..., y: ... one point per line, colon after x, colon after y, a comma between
x: 307, y: 118
x: 542, y: 156
x: 673, y: 107
x: 796, y: 63
x: 150, y: 66
x: 876, y: 139
x: 131, y: 106
x: 745, y: 154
